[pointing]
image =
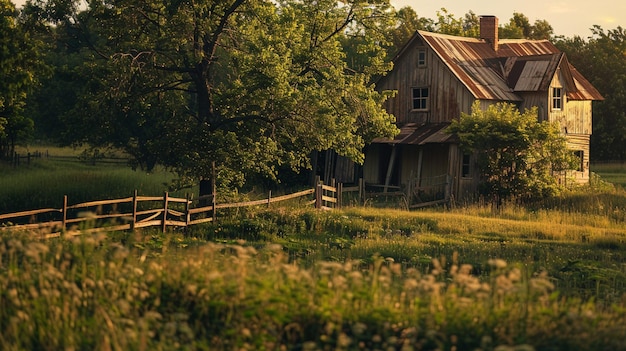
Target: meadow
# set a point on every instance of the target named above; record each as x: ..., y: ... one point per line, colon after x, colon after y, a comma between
x: 44, y: 182
x: 546, y: 276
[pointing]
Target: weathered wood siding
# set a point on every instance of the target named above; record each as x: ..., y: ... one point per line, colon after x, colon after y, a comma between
x: 434, y: 161
x: 373, y: 164
x: 462, y: 187
x: 409, y: 159
x: 575, y: 116
x: 448, y: 96
x: 535, y: 99
x: 578, y: 117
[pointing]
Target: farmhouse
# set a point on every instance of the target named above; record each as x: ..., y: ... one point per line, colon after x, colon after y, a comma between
x: 437, y: 77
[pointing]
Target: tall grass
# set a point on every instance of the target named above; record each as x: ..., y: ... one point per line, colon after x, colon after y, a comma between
x: 43, y: 183
x: 95, y: 293
x: 583, y: 252
x: 614, y: 173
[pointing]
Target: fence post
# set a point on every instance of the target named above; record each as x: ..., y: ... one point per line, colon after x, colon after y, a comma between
x: 318, y: 192
x: 339, y: 194
x: 187, y: 215
x: 165, y: 198
x: 28, y: 158
x: 269, y: 199
x: 132, y: 224
x: 64, y: 214
x: 213, y: 191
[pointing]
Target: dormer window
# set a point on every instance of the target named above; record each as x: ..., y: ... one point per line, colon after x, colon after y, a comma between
x: 557, y: 98
x: 421, y: 57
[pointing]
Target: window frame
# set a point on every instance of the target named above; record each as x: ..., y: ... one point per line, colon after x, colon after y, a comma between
x: 557, y: 99
x: 422, y: 60
x: 424, y: 100
x: 466, y: 166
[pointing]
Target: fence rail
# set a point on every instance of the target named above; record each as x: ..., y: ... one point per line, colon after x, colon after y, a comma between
x: 18, y: 159
x: 136, y: 212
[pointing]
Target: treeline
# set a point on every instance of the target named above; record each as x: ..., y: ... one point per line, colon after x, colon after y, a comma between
x: 255, y: 86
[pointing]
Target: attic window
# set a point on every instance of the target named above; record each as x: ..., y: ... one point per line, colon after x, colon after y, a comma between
x: 421, y: 57
x: 557, y: 98
x: 420, y: 99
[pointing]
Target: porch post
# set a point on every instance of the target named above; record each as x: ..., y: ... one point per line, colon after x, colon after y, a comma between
x: 392, y: 161
x: 420, y: 157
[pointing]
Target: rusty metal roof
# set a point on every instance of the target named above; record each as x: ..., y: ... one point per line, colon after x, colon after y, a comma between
x: 586, y: 91
x: 525, y: 47
x: 531, y: 73
x: 519, y: 65
x: 581, y: 88
x: 475, y: 63
x: 420, y: 134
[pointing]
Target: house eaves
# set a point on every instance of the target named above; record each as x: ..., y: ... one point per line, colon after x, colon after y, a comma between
x: 585, y: 91
x: 420, y: 134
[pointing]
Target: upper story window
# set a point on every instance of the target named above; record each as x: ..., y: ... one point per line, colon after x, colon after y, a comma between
x: 557, y: 98
x: 421, y: 57
x: 420, y: 99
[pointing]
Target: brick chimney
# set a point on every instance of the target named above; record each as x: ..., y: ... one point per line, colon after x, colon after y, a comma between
x: 489, y: 30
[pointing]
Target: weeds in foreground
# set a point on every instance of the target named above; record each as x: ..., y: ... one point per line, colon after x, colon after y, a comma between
x: 94, y: 293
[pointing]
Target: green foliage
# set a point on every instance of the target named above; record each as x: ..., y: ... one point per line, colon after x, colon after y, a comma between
x: 20, y: 66
x: 517, y: 156
x: 254, y: 86
x: 447, y: 23
x: 3, y: 122
x: 519, y: 27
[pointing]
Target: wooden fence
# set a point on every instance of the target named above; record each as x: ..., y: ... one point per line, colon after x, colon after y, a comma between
x: 137, y: 211
x: 18, y: 159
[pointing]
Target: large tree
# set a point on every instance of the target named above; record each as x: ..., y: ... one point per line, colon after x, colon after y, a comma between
x: 250, y: 84
x: 517, y: 156
x: 519, y: 27
x: 407, y: 22
x: 19, y: 66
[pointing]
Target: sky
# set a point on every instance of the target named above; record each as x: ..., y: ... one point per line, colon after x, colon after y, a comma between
x: 568, y: 18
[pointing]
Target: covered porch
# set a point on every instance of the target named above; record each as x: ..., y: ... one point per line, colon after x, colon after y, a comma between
x: 423, y: 162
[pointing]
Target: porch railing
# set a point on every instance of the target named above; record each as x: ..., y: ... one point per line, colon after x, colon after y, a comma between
x: 425, y: 191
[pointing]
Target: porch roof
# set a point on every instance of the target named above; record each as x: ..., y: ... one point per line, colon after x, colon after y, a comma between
x: 420, y: 134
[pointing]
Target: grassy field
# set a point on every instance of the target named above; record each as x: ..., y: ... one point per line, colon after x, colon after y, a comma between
x: 551, y: 276
x: 44, y: 182
x: 358, y: 279
x: 612, y: 172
